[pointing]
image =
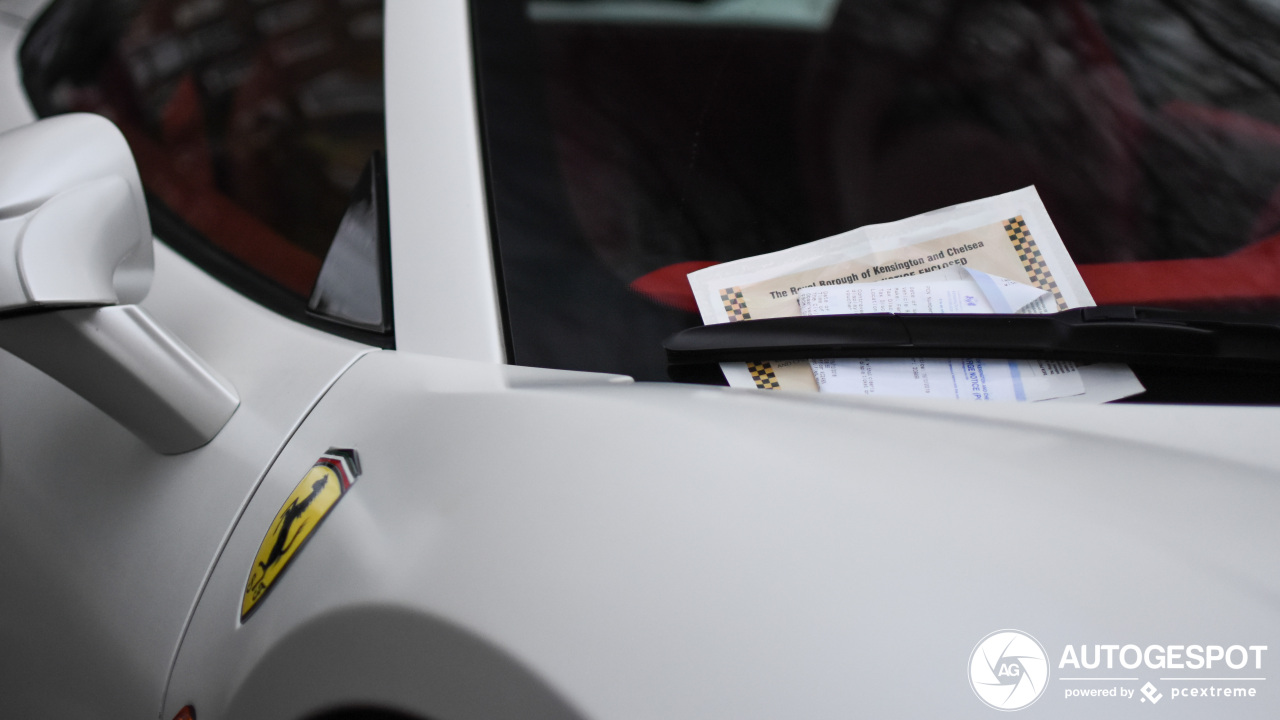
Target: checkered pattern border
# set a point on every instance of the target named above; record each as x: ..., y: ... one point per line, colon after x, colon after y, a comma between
x: 762, y: 373
x: 734, y: 304
x: 1037, y: 269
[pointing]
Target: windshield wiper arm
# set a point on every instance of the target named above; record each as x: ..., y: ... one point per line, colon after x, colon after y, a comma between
x: 1112, y: 334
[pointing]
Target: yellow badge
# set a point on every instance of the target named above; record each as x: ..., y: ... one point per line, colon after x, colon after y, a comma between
x: 317, y: 494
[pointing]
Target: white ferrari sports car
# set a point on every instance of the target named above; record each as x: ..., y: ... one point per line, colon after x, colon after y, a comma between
x: 336, y: 363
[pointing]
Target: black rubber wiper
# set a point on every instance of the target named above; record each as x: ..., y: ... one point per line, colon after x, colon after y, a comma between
x: 1112, y: 334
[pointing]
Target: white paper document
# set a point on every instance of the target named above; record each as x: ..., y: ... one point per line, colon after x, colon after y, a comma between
x: 967, y: 291
x: 946, y: 292
x: 998, y: 255
x: 951, y: 378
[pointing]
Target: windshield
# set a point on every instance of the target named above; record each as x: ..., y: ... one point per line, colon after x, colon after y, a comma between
x: 631, y: 142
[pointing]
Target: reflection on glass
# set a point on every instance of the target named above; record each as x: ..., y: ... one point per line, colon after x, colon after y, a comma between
x: 250, y: 119
x: 624, y: 145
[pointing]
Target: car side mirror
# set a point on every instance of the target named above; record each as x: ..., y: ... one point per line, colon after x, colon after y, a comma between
x: 75, y: 259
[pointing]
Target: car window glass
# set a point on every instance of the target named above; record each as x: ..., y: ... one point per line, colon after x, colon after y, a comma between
x: 632, y: 142
x: 252, y: 121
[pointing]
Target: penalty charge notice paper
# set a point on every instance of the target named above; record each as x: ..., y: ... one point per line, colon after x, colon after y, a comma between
x: 998, y: 255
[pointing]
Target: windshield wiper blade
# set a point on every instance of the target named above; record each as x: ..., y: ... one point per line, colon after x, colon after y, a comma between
x: 1111, y: 334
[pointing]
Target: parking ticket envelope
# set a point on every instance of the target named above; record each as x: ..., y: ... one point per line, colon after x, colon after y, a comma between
x: 1008, y: 237
x: 957, y: 378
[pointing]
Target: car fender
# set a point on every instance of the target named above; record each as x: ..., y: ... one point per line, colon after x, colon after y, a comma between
x: 585, y: 546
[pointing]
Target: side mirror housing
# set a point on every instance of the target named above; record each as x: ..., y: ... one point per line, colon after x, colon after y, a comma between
x: 73, y: 218
x: 75, y: 258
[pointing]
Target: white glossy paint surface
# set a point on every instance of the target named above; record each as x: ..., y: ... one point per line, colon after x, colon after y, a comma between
x: 87, y: 237
x: 443, y: 278
x: 106, y: 543
x: 131, y: 368
x: 631, y: 552
x: 14, y: 108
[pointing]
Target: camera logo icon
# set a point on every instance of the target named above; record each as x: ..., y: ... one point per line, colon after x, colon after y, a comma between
x: 1008, y: 670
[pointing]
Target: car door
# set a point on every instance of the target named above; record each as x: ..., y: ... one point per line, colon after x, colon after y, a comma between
x: 106, y: 542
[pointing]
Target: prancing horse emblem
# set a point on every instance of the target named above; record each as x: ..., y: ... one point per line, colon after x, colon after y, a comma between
x: 311, y: 500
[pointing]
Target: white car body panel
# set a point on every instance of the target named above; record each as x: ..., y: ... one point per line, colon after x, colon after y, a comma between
x: 446, y: 295
x: 15, y: 109
x: 104, y: 540
x: 642, y: 558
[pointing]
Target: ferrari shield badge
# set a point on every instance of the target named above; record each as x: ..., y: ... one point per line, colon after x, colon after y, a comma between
x: 313, y: 498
